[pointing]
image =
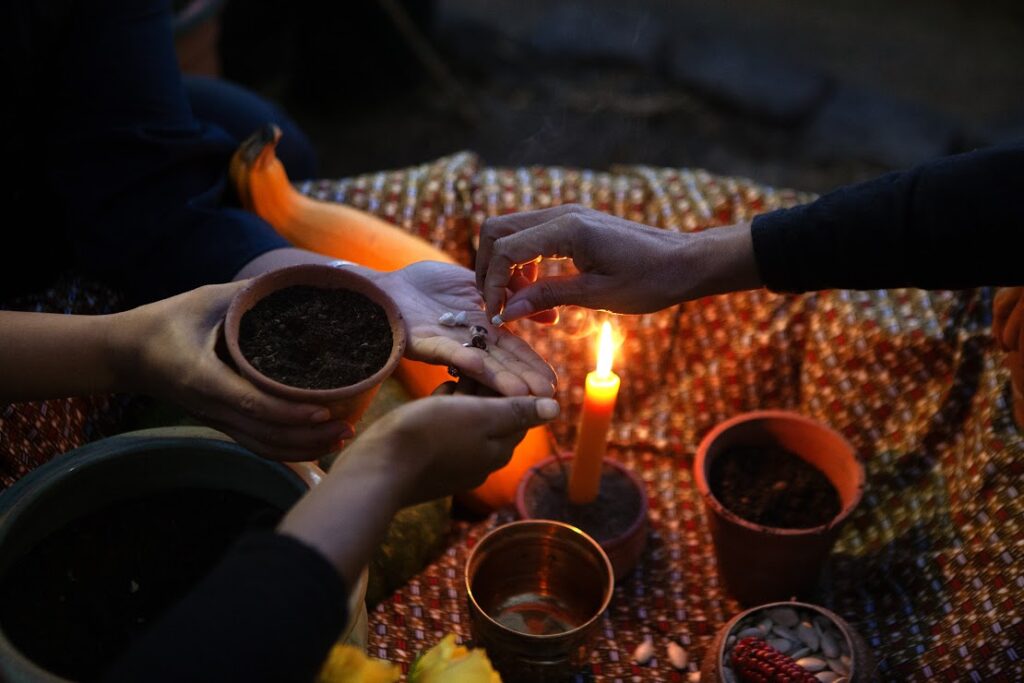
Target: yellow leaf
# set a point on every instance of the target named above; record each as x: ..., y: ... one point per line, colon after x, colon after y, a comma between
x: 447, y: 662
x: 347, y: 664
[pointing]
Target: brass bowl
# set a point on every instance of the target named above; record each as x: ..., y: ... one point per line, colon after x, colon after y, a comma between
x: 536, y: 590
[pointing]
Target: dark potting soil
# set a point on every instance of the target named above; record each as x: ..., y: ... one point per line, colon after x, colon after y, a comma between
x: 316, y: 338
x: 771, y: 486
x: 75, y: 602
x: 616, y: 508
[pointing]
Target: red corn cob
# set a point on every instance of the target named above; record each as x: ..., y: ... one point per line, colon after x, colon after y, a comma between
x: 755, y: 661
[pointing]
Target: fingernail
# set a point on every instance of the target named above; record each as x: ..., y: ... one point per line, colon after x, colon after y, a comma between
x: 547, y: 408
x: 320, y: 415
x: 518, y: 309
x: 497, y: 321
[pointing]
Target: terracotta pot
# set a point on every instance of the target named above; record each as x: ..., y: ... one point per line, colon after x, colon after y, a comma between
x: 862, y: 664
x: 1014, y: 361
x: 536, y: 591
x: 345, y: 403
x: 128, y: 466
x: 758, y: 563
x: 623, y: 550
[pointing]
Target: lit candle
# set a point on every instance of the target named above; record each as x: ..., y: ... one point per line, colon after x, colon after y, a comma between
x: 592, y: 440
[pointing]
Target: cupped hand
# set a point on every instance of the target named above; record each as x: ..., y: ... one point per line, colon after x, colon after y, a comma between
x: 623, y: 266
x: 448, y: 443
x: 169, y: 349
x: 426, y: 290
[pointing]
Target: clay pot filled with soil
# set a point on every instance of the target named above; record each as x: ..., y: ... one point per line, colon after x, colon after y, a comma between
x: 317, y: 334
x: 777, y: 487
x: 783, y: 635
x: 617, y: 520
x: 97, y: 544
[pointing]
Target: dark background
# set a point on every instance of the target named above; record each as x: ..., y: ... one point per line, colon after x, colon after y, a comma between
x: 798, y: 93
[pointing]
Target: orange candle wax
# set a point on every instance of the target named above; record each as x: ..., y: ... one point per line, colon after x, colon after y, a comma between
x: 592, y: 440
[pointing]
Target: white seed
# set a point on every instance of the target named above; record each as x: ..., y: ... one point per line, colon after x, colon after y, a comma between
x: 786, y: 633
x: 829, y: 648
x: 677, y: 655
x: 808, y: 635
x: 462, y: 318
x: 802, y: 652
x: 644, y: 651
x: 812, y: 664
x: 839, y: 666
x: 447, y: 319
x: 693, y: 677
x: 781, y: 644
x: 765, y: 626
x: 826, y: 676
x: 784, y: 615
x: 751, y: 631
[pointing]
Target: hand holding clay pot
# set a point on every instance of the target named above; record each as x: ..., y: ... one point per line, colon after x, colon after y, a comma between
x: 168, y: 349
x: 316, y: 334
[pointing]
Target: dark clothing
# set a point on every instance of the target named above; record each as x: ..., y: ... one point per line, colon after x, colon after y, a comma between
x: 116, y: 175
x: 950, y: 224
x: 269, y: 612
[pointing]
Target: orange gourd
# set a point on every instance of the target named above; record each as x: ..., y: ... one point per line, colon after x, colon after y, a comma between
x: 346, y: 233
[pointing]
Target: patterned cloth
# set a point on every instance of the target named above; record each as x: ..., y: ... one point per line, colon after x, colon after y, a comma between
x: 929, y: 569
x: 32, y: 433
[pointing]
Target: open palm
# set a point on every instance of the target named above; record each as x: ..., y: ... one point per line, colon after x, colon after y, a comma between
x: 424, y: 291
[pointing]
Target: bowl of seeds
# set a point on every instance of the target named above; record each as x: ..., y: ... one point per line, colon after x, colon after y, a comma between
x: 793, y: 642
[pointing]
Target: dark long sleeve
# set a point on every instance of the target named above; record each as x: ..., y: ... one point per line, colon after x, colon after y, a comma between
x: 270, y: 611
x: 954, y: 223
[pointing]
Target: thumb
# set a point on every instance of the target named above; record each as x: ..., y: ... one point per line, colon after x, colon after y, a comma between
x: 548, y: 293
x: 509, y: 415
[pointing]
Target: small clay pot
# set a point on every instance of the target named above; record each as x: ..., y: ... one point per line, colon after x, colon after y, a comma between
x: 345, y: 403
x: 758, y: 563
x: 862, y: 664
x: 625, y: 549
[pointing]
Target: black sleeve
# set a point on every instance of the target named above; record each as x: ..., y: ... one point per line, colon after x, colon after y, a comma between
x: 271, y: 611
x: 142, y: 183
x: 954, y: 223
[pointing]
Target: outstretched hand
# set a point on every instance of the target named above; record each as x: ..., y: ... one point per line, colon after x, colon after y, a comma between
x: 623, y: 266
x: 426, y: 290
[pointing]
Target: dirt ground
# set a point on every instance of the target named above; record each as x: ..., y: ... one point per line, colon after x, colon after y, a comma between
x: 792, y: 93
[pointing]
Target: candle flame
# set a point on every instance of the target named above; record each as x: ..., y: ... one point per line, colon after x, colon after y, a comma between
x: 605, y: 351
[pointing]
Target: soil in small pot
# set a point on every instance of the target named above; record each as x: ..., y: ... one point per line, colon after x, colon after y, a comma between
x: 315, y: 338
x: 611, y: 515
x: 76, y: 600
x: 771, y: 486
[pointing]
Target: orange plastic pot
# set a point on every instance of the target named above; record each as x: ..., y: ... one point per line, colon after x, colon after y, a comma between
x: 757, y: 563
x: 346, y: 403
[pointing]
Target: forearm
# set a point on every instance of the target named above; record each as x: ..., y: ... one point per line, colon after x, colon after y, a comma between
x: 46, y: 355
x: 723, y: 260
x: 953, y: 223
x: 345, y: 517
